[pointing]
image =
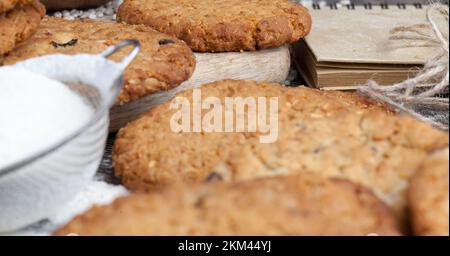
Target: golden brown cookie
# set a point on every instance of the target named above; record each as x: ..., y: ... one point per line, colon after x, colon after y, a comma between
x: 7, y: 5
x: 298, y: 205
x: 18, y: 24
x: 222, y: 26
x: 429, y: 196
x: 317, y: 132
x: 163, y: 63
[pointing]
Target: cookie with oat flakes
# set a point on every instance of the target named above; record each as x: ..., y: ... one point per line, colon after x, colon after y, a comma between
x: 7, y: 5
x: 333, y: 134
x: 222, y: 26
x: 163, y: 63
x: 19, y: 23
x: 429, y: 196
x: 299, y: 205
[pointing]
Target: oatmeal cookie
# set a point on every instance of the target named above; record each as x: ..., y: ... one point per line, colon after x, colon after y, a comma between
x: 163, y: 63
x: 428, y: 196
x: 19, y: 24
x: 7, y: 5
x: 222, y: 26
x: 298, y: 205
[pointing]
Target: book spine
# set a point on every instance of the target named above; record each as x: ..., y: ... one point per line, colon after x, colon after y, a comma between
x: 368, y: 5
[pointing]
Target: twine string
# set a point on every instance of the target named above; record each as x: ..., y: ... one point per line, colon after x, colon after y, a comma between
x: 425, y: 90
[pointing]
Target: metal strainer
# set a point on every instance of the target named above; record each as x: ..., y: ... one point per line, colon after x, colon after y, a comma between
x: 39, y: 185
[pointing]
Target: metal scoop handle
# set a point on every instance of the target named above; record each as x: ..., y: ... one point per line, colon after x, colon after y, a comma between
x: 116, y: 48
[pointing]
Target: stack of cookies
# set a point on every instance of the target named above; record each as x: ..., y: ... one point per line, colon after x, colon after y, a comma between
x: 338, y: 164
x: 166, y: 64
x: 19, y: 20
x: 232, y: 39
x: 333, y: 163
x: 276, y: 161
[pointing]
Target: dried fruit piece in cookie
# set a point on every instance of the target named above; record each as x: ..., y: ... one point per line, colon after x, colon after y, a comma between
x: 222, y: 26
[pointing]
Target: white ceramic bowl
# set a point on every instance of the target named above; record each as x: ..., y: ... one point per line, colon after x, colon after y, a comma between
x: 38, y: 186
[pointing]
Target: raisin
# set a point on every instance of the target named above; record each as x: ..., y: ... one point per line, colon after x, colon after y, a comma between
x: 214, y: 176
x: 70, y: 43
x: 166, y: 41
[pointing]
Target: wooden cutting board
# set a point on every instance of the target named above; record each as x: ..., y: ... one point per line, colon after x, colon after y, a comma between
x: 268, y: 65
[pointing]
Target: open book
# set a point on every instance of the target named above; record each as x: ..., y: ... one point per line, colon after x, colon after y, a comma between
x: 349, y: 45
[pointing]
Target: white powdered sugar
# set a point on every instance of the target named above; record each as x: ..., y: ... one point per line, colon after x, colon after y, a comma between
x: 95, y: 193
x: 35, y: 113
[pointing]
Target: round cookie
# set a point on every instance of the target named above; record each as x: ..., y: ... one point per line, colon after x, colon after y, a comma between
x: 163, y: 63
x: 222, y: 26
x: 429, y: 196
x: 298, y: 205
x: 321, y: 132
x: 7, y: 5
x: 18, y: 24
